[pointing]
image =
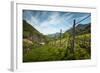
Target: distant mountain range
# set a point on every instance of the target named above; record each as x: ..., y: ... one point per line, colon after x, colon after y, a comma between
x: 53, y: 35
x: 79, y: 29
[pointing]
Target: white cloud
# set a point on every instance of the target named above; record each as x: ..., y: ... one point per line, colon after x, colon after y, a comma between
x: 53, y: 24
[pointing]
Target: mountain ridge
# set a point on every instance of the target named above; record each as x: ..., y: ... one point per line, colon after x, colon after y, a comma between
x: 81, y: 29
x: 30, y: 33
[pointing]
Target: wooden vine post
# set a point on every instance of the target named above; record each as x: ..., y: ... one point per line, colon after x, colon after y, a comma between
x: 73, y: 40
x: 60, y: 36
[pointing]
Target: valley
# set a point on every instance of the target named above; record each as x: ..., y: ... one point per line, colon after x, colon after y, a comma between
x: 58, y: 46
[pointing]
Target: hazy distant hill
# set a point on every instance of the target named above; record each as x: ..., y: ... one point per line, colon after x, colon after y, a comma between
x: 79, y: 30
x: 53, y: 35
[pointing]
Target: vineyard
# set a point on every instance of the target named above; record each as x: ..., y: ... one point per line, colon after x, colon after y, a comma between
x: 60, y: 50
x: 73, y: 44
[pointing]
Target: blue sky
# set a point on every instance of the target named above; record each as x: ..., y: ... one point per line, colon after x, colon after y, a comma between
x: 49, y: 22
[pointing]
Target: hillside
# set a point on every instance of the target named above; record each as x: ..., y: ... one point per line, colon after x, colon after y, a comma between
x: 30, y: 33
x: 81, y: 29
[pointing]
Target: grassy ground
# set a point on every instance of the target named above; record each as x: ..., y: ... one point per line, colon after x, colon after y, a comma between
x: 58, y: 50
